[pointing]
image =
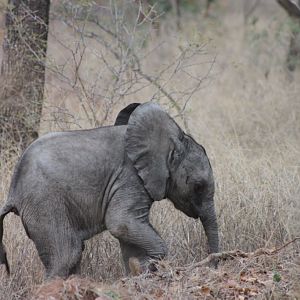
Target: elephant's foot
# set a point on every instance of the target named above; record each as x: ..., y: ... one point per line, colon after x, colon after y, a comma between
x: 135, y: 266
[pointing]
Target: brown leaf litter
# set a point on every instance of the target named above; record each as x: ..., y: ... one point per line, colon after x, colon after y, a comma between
x: 262, y: 274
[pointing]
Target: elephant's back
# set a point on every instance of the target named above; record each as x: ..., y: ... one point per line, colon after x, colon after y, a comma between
x: 71, y: 164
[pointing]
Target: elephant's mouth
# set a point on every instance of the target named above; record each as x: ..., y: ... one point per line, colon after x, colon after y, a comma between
x: 194, y: 215
x: 188, y: 209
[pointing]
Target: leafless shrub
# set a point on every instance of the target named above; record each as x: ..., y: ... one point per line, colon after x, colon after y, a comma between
x: 121, y: 51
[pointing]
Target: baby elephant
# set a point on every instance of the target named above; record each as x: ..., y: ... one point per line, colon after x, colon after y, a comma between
x: 69, y: 186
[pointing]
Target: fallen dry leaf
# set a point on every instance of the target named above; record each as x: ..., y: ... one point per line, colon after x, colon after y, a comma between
x: 205, y: 290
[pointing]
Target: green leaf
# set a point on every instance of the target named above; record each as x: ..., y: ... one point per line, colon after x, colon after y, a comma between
x: 276, y: 277
x: 113, y: 295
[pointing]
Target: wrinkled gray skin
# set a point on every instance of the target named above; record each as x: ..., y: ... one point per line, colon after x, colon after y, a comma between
x: 69, y: 186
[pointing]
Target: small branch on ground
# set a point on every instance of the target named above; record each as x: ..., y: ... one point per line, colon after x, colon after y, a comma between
x: 237, y: 253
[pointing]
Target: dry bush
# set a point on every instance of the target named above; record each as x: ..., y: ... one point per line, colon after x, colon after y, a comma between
x: 106, y: 57
x: 248, y: 119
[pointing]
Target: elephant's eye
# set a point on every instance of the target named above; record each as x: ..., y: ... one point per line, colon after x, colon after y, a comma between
x: 199, y: 187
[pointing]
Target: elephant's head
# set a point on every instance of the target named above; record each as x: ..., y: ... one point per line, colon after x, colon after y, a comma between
x: 172, y: 165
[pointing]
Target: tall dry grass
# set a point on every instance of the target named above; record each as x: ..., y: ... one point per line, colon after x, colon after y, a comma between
x: 247, y: 116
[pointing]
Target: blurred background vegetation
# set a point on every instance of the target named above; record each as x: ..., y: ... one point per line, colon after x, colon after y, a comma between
x: 228, y: 71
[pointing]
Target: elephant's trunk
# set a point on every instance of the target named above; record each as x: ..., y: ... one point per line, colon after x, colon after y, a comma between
x: 208, y: 218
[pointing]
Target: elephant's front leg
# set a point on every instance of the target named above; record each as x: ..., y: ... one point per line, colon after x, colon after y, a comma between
x: 137, y: 238
x: 132, y: 257
x: 140, y: 241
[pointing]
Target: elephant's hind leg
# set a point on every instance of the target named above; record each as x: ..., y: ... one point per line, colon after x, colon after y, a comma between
x: 58, y: 246
x: 66, y: 257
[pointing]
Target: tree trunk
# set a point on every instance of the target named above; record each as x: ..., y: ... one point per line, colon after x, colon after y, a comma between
x: 23, y: 72
x: 292, y: 7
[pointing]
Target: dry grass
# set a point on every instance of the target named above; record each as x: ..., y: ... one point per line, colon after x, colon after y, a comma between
x: 248, y: 117
x: 247, y: 276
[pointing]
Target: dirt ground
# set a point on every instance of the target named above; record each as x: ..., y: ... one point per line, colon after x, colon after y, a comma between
x: 264, y: 274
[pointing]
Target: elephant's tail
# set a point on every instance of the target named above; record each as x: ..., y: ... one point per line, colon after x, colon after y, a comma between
x: 124, y: 114
x: 3, y: 259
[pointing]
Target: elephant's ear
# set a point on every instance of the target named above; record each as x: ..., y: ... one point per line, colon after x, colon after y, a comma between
x: 149, y: 142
